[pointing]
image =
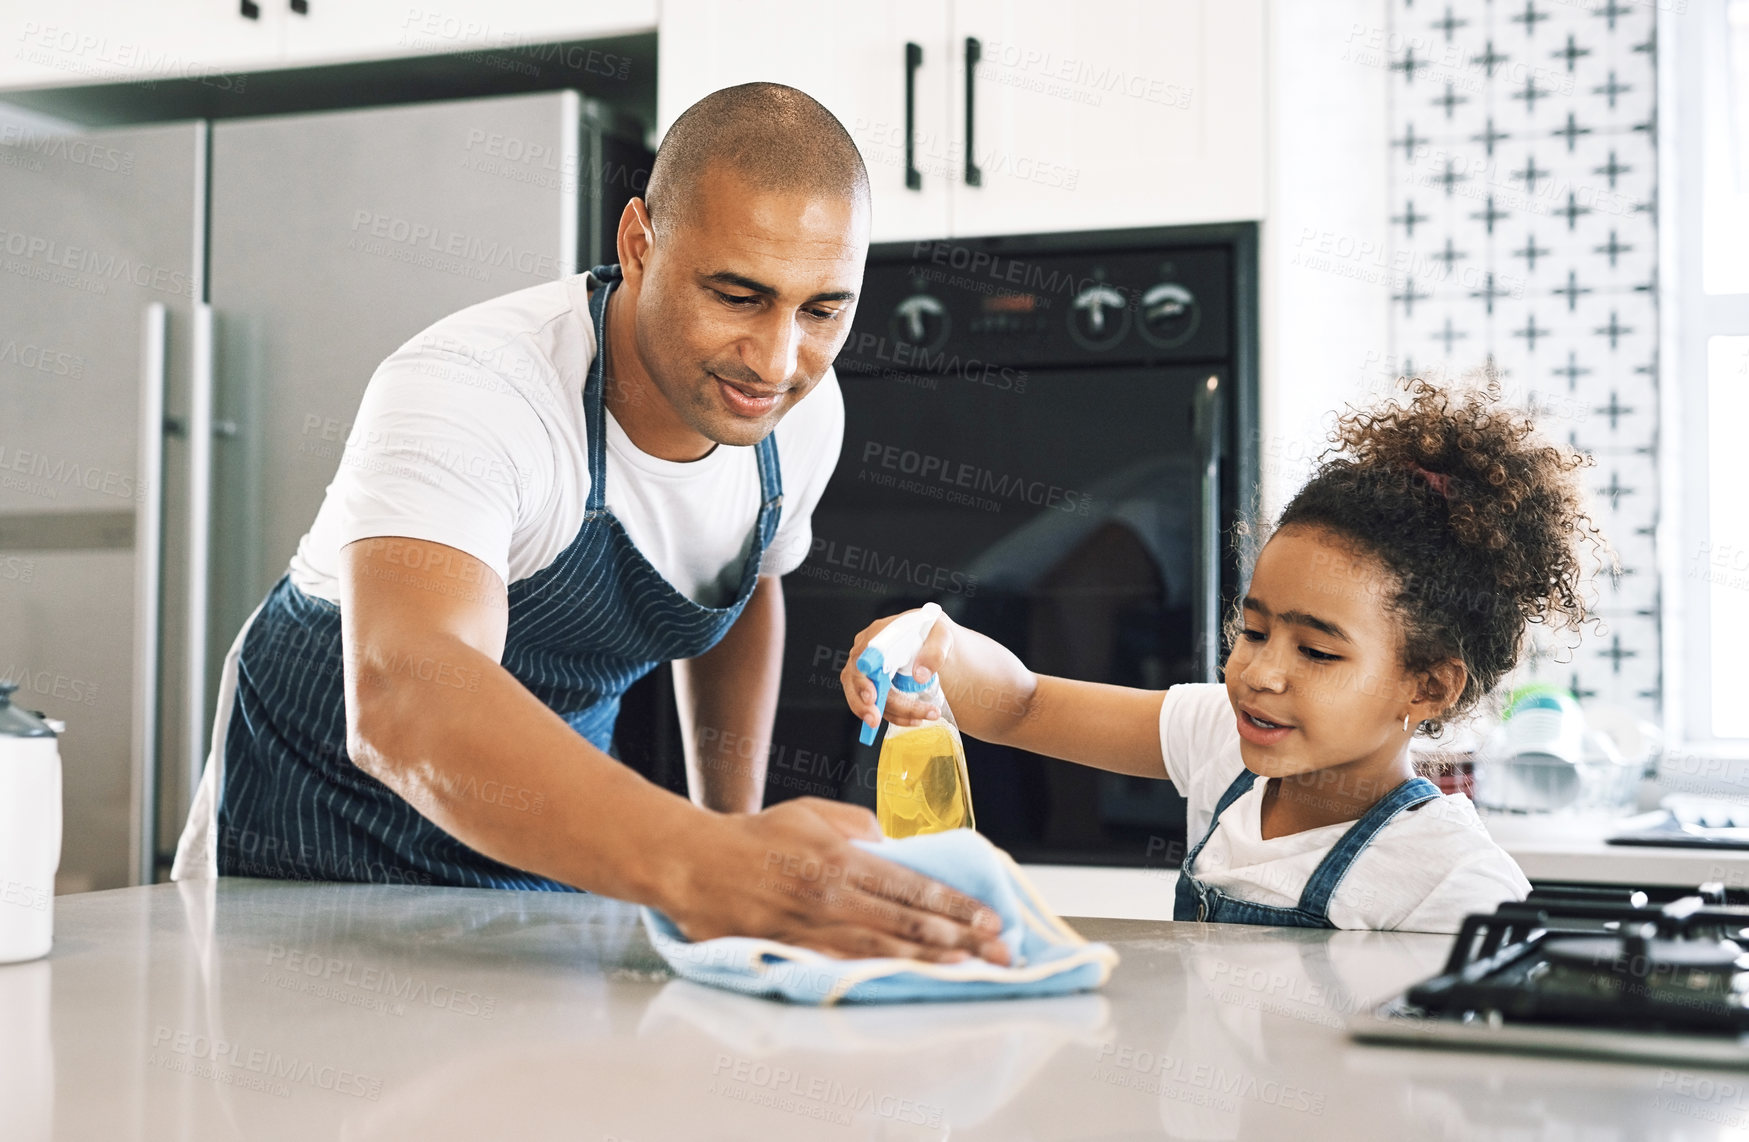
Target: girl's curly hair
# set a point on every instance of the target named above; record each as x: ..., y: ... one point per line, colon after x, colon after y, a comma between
x: 1480, y: 521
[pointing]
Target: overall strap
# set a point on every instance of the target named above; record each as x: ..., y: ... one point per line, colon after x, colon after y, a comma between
x: 594, y: 398
x: 1336, y: 863
x: 1240, y: 786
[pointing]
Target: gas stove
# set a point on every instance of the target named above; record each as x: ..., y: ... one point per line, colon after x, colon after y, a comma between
x: 1590, y: 971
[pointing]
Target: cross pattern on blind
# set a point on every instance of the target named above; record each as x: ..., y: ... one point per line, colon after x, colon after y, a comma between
x: 1524, y: 230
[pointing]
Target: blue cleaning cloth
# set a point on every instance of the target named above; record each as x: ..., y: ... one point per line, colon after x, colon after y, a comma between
x: 1048, y: 957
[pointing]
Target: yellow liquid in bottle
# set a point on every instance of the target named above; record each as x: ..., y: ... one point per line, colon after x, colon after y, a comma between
x: 921, y: 784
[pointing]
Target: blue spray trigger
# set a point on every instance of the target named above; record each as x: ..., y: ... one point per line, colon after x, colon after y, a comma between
x: 873, y: 665
x: 882, y: 682
x: 890, y: 654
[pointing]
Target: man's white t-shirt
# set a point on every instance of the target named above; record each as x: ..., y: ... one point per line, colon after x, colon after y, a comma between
x: 1423, y: 872
x: 472, y: 435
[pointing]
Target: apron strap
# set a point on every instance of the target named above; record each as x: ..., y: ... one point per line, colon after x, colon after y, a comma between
x: 770, y: 477
x: 594, y: 399
x: 1336, y: 863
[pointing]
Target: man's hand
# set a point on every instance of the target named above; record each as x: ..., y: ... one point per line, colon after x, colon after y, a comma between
x: 791, y: 874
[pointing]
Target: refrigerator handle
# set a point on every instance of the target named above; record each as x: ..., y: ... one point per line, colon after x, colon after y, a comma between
x: 148, y: 551
x: 199, y: 555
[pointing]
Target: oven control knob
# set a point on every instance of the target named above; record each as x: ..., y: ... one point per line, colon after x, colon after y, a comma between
x: 921, y: 320
x: 1170, y: 314
x: 1099, y: 316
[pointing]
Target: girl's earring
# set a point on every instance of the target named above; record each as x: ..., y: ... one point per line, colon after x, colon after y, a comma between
x: 1405, y: 723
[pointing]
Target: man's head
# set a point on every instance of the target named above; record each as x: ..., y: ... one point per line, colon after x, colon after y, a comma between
x: 744, y: 259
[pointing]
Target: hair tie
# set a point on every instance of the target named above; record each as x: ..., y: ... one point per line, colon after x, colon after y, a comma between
x: 1438, y: 481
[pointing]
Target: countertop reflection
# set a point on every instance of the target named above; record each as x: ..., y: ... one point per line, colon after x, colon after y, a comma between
x: 263, y: 1010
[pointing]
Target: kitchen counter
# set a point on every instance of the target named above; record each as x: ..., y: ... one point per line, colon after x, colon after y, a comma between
x: 1557, y: 847
x: 268, y: 1010
x: 1548, y: 847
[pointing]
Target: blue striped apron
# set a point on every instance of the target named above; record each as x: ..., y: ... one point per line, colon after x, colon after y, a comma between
x: 581, y: 631
x: 1198, y: 900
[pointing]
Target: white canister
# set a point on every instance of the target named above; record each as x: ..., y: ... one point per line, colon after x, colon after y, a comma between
x: 30, y: 831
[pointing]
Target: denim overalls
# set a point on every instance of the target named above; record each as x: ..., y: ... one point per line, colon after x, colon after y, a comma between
x: 1198, y: 901
x: 581, y: 631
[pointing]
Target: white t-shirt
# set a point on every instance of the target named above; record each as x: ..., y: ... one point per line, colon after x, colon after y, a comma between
x: 1423, y: 872
x: 472, y: 435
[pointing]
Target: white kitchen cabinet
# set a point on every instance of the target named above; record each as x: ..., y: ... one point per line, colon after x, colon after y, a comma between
x: 67, y: 42
x: 853, y: 60
x: 61, y: 42
x: 1131, y: 113
x: 336, y: 31
x: 1084, y: 116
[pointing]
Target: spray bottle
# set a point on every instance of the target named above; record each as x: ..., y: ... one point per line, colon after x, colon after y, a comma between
x: 921, y: 785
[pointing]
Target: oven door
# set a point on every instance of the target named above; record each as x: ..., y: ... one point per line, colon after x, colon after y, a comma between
x: 1072, y: 515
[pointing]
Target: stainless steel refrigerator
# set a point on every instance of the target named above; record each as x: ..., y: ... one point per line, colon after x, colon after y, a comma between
x: 188, y: 316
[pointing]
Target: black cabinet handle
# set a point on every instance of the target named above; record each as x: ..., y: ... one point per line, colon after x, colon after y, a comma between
x: 251, y: 10
x: 974, y: 53
x: 301, y: 7
x: 913, y: 61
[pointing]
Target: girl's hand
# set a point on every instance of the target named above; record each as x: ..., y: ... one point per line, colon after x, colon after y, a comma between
x: 983, y: 681
x: 902, y: 709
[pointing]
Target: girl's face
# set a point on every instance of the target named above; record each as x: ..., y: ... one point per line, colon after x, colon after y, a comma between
x: 1315, y: 677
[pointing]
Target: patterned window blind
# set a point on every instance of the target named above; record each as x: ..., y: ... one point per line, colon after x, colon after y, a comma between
x: 1524, y: 224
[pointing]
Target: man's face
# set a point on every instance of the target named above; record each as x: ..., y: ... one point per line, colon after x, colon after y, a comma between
x: 744, y: 301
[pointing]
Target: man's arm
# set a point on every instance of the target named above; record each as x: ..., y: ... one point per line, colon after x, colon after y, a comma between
x: 727, y: 698
x: 432, y: 714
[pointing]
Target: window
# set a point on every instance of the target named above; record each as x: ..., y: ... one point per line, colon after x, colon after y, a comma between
x: 1704, y: 62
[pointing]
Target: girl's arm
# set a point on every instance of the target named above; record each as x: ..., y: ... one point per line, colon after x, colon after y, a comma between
x: 1091, y: 723
x: 995, y: 698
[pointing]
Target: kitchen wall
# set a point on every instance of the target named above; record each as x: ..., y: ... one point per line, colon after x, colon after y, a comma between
x: 1325, y: 303
x: 1523, y: 230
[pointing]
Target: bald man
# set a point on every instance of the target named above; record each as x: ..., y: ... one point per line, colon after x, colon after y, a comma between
x: 545, y: 495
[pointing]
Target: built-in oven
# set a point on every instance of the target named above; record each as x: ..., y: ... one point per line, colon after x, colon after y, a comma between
x: 1051, y: 436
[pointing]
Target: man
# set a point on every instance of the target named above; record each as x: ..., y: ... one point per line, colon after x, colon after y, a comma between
x: 545, y: 495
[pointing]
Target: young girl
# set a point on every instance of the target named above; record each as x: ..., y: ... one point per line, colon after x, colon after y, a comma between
x: 1392, y: 596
